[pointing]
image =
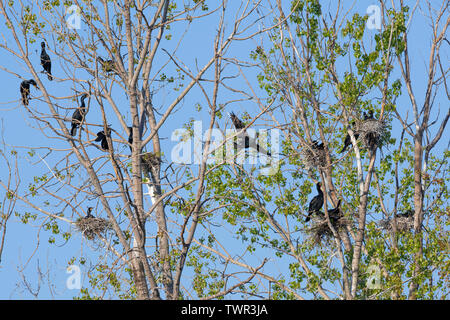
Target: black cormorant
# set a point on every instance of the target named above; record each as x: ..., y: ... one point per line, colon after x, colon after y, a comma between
x: 335, y: 213
x: 25, y: 90
x: 407, y: 214
x: 248, y: 141
x: 348, y: 140
x: 130, y: 138
x: 45, y: 62
x: 78, y: 116
x: 238, y: 124
x: 102, y: 137
x: 369, y: 116
x: 89, y: 215
x: 317, y: 146
x: 316, y: 203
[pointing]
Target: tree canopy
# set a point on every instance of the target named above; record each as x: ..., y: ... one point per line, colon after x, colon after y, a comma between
x: 174, y: 150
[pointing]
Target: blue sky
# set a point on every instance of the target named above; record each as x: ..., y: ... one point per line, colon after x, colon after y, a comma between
x: 18, y: 130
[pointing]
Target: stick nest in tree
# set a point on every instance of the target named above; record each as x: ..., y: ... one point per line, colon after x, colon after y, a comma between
x: 313, y: 157
x: 372, y: 132
x: 404, y: 224
x: 321, y: 231
x: 92, y: 227
x: 150, y: 160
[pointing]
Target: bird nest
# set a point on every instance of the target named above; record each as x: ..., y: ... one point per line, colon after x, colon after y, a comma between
x: 404, y: 224
x: 372, y: 132
x: 320, y: 230
x: 313, y: 157
x: 92, y: 227
x: 150, y: 160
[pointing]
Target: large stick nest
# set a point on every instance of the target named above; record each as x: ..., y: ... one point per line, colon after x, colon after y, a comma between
x: 404, y: 224
x: 320, y: 230
x: 92, y: 227
x: 372, y: 132
x: 150, y: 160
x: 313, y: 157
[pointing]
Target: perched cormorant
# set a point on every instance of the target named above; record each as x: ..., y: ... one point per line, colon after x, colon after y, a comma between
x: 407, y: 214
x: 369, y: 116
x: 78, y: 116
x: 89, y: 215
x: 317, y: 146
x: 316, y: 203
x: 238, y: 124
x: 348, y: 140
x: 107, y: 66
x: 25, y: 90
x: 45, y: 62
x: 130, y: 138
x: 248, y: 141
x: 335, y: 213
x: 102, y: 137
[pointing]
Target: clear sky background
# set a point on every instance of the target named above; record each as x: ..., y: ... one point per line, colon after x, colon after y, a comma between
x: 26, y: 249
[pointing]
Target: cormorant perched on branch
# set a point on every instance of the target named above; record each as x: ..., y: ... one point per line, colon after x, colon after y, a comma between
x: 25, y: 90
x: 78, y: 116
x: 316, y: 203
x: 248, y: 141
x: 45, y: 62
x: 371, y: 137
x: 102, y: 137
x: 335, y: 213
x: 107, y: 66
x: 348, y: 140
x: 407, y: 214
x: 89, y: 215
x: 369, y: 116
x: 130, y: 138
x: 238, y: 124
x: 317, y: 146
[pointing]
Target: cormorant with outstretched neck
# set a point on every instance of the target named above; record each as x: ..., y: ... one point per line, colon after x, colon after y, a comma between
x: 348, y: 140
x: 25, y: 90
x: 316, y: 203
x: 89, y: 215
x: 78, y: 116
x: 238, y: 124
x: 102, y: 137
x: 46, y: 62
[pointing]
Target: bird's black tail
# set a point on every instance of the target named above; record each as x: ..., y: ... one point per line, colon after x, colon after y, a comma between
x: 308, y: 217
x: 49, y: 75
x: 73, y: 130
